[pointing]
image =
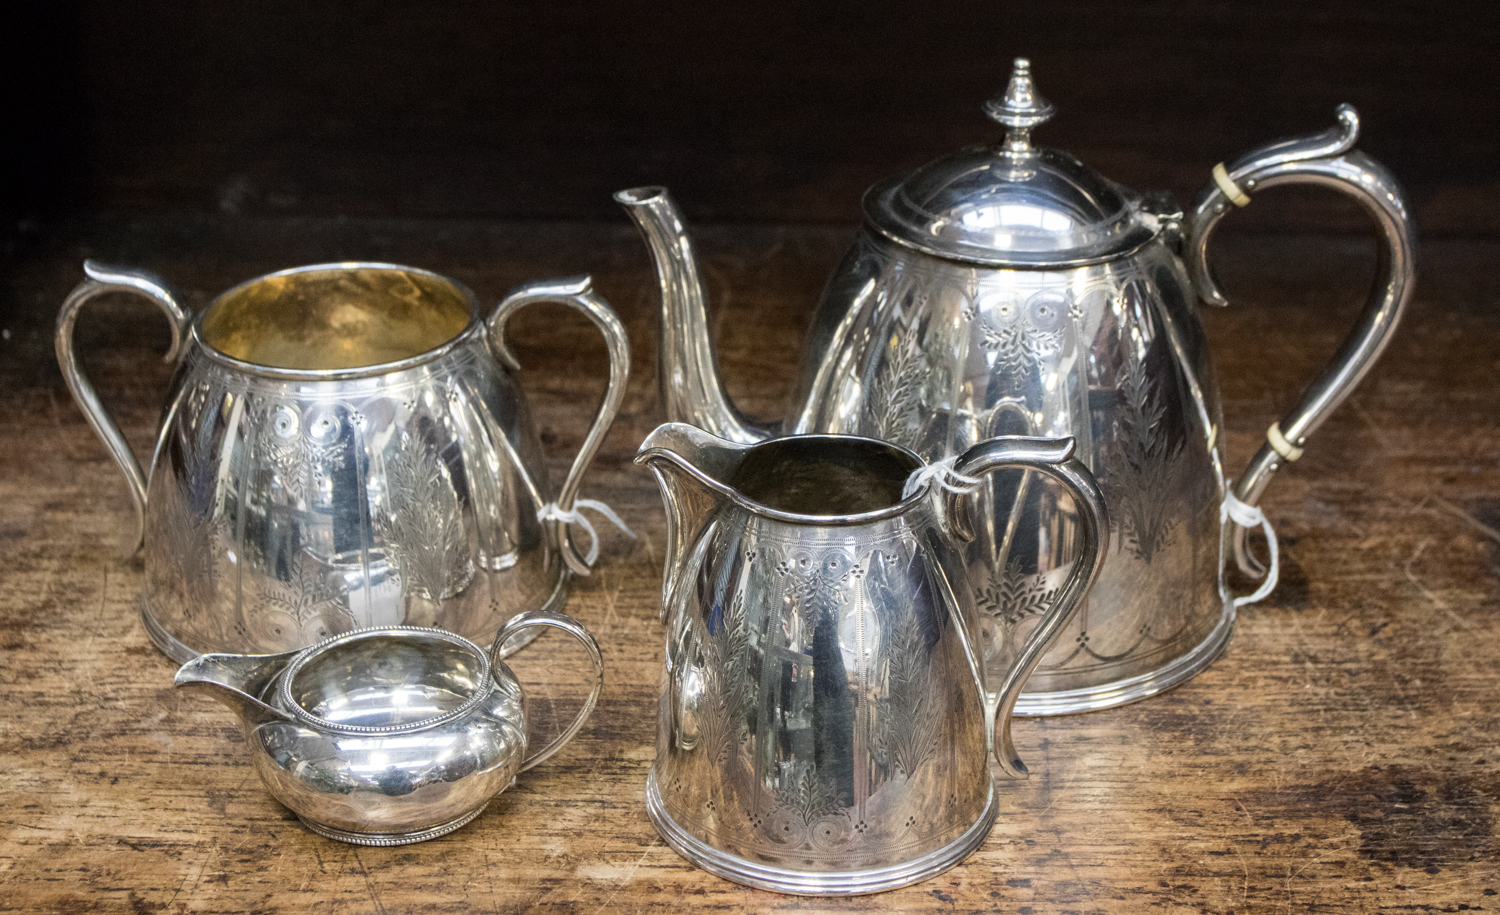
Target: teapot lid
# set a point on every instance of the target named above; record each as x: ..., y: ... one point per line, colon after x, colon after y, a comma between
x: 1011, y: 204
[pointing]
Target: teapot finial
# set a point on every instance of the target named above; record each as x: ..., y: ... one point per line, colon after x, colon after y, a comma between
x: 1019, y: 109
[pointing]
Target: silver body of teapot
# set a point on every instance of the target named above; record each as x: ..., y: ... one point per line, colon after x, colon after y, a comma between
x: 1010, y: 290
x: 343, y: 446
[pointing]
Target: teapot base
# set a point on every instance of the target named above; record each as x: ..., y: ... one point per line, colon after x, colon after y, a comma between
x: 766, y: 876
x: 386, y: 839
x: 1131, y: 689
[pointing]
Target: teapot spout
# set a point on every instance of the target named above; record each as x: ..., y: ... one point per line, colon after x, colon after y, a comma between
x: 692, y: 467
x: 236, y: 680
x: 687, y: 370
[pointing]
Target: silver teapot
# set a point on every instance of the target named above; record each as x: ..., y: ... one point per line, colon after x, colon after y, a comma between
x: 344, y: 446
x: 1008, y: 289
x: 827, y: 712
x: 392, y: 735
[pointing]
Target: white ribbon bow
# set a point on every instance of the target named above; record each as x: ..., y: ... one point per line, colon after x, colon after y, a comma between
x: 1249, y: 516
x: 552, y: 512
x: 946, y: 477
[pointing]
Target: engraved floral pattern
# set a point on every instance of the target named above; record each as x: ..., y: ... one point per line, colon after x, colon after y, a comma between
x: 729, y: 773
x: 301, y: 451
x: 1145, y: 477
x: 1007, y: 601
x: 307, y: 607
x: 424, y: 529
x: 1021, y: 335
x: 898, y: 390
x: 181, y: 565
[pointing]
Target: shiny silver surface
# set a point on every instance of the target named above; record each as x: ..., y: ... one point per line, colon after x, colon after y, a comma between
x: 1328, y: 159
x: 288, y: 504
x: 1011, y: 204
x: 387, y: 736
x: 941, y: 329
x: 826, y: 712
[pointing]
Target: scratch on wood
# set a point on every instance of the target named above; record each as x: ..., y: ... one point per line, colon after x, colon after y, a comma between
x: 1364, y: 414
x: 629, y: 875
x: 1468, y: 519
x: 369, y: 883
x: 1411, y: 577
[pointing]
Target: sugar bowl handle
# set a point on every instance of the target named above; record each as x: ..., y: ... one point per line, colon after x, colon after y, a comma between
x: 530, y: 620
x: 576, y: 292
x: 103, y: 280
x: 1327, y: 159
x: 1054, y: 458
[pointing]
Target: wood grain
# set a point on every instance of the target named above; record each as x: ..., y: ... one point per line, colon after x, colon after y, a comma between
x: 1342, y: 756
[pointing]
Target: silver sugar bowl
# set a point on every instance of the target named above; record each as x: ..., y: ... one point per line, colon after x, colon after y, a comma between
x: 344, y: 446
x: 387, y: 736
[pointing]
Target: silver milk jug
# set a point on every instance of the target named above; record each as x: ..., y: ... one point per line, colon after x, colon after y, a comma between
x: 391, y: 735
x: 826, y: 714
x: 1009, y: 289
x: 344, y: 446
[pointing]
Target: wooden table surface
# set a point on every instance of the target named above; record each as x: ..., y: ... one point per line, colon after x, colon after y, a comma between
x: 1342, y: 755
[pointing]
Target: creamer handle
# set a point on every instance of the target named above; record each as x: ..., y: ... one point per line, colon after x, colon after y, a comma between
x: 1054, y: 458
x: 1327, y: 159
x: 103, y: 279
x: 578, y: 293
x: 532, y: 619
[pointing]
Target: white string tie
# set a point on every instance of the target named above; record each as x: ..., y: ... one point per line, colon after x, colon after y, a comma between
x: 946, y: 477
x: 552, y: 512
x: 1249, y: 516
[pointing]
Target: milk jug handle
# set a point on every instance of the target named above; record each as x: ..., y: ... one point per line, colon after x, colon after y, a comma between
x: 1327, y: 159
x: 531, y: 620
x: 102, y: 280
x: 1054, y: 458
x: 578, y: 293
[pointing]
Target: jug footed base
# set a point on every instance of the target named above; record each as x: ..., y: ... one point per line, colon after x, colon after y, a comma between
x: 177, y: 651
x: 816, y: 883
x: 1132, y: 689
x: 386, y: 839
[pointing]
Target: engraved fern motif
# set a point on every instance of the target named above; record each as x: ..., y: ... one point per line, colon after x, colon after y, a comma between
x: 183, y: 568
x: 909, y: 731
x: 424, y: 529
x: 1013, y: 597
x: 1144, y: 480
x: 304, y: 600
x: 807, y: 794
x: 728, y: 689
x: 898, y: 391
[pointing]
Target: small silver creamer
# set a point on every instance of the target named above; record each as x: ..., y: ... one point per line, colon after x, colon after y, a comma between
x: 388, y: 736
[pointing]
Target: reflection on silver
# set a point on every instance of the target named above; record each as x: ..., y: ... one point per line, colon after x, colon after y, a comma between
x: 1008, y: 289
x: 826, y: 717
x: 387, y: 736
x: 288, y: 502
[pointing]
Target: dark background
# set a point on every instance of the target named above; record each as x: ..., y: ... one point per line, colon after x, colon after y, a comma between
x: 748, y: 111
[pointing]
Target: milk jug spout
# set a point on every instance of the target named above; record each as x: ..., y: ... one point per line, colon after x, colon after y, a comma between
x: 693, y: 469
x: 237, y: 680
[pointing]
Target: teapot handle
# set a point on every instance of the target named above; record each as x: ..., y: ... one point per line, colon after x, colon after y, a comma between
x: 577, y: 292
x: 535, y: 618
x: 103, y: 279
x: 1053, y: 457
x: 1327, y: 159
